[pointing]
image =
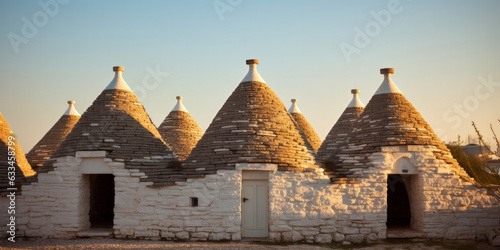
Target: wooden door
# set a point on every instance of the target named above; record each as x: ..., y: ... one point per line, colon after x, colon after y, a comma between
x: 254, y: 208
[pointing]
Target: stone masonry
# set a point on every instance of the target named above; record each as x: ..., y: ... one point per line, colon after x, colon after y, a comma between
x: 181, y: 132
x: 254, y: 132
x: 389, y: 119
x: 22, y: 167
x: 303, y: 206
x: 341, y: 129
x: 253, y: 126
x: 308, y: 130
x: 51, y: 141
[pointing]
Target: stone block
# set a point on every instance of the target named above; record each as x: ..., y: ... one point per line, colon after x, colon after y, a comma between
x: 276, y: 237
x: 147, y: 233
x: 349, y: 230
x: 307, y: 223
x: 167, y: 235
x: 355, y: 238
x: 200, y: 235
x: 280, y: 228
x: 328, y: 229
x: 323, y: 238
x: 234, y: 229
x: 176, y: 229
x: 219, y: 236
x: 293, y: 215
x: 236, y: 236
x: 309, y: 231
x: 292, y: 236
x: 205, y: 229
x: 493, y: 236
x: 460, y: 202
x: 182, y: 235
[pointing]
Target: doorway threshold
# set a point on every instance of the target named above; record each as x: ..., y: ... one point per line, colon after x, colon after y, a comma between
x: 96, y: 233
x: 404, y: 233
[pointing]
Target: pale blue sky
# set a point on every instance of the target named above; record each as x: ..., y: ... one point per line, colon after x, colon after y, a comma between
x: 440, y: 50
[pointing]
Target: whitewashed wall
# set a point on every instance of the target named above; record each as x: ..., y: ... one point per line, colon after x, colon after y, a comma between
x: 56, y: 205
x: 303, y: 206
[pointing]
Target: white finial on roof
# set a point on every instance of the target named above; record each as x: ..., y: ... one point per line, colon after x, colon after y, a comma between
x: 179, y: 106
x: 387, y: 85
x: 294, y: 108
x: 71, y: 109
x: 118, y: 82
x: 355, y: 103
x: 253, y: 75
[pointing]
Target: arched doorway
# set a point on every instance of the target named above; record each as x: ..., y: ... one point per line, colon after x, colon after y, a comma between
x: 398, y: 203
x: 404, y: 208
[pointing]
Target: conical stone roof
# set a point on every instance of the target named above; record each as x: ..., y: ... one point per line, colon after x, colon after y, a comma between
x: 305, y: 126
x: 49, y: 143
x: 388, y: 119
x: 342, y: 127
x: 253, y: 126
x: 180, y: 131
x: 117, y: 123
x: 21, y: 166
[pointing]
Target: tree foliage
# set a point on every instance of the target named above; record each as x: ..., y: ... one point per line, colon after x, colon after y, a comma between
x: 477, y: 165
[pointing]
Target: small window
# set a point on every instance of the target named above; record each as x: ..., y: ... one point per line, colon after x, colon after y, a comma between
x: 194, y: 201
x: 405, y: 170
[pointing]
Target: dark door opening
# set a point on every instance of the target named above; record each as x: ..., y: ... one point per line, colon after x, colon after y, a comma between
x: 102, y: 200
x: 398, y: 203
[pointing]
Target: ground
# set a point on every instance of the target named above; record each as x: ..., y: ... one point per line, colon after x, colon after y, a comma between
x: 31, y: 243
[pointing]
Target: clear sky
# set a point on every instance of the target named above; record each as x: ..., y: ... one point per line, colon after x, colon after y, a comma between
x: 446, y: 55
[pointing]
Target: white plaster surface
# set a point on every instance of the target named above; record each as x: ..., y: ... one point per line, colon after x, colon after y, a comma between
x: 94, y: 166
x: 253, y: 75
x: 294, y: 108
x: 118, y: 82
x: 179, y: 106
x: 356, y: 102
x: 387, y: 86
x: 71, y: 109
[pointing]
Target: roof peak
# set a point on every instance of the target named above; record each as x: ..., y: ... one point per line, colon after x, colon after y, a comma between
x: 179, y: 106
x: 71, y: 109
x: 355, y: 102
x: 294, y: 108
x: 387, y: 85
x: 118, y: 82
x: 252, y: 75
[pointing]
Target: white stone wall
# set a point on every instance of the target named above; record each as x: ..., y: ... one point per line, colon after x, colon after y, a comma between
x: 303, y: 206
x: 306, y: 207
x: 154, y: 213
x: 443, y: 204
x: 56, y: 205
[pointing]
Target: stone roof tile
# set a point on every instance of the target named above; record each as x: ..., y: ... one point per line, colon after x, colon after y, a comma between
x: 53, y: 138
x: 337, y: 135
x: 180, y: 131
x: 117, y: 123
x: 305, y: 126
x: 253, y: 126
x: 21, y: 166
x: 389, y: 119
